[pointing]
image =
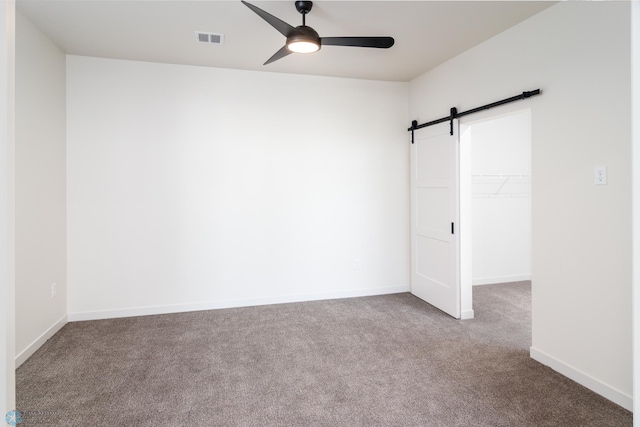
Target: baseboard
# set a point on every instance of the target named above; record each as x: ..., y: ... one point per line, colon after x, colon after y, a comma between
x: 597, y: 386
x: 214, y: 305
x: 34, y: 346
x: 499, y: 279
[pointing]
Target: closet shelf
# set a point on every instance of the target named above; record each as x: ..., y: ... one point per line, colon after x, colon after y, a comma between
x: 482, y: 175
x: 501, y: 185
x: 500, y: 196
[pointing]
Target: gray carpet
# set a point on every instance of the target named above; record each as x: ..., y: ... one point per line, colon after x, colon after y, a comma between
x: 388, y: 360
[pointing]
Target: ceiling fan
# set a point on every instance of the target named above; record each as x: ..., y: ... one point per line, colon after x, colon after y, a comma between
x: 303, y: 39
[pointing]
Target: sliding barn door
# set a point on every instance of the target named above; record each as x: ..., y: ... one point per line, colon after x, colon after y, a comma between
x: 435, y: 253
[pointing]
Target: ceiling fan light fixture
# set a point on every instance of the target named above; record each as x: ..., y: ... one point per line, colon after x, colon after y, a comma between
x: 303, y: 39
x: 303, y: 47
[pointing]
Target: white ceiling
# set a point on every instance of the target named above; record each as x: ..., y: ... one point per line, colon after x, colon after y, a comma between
x: 426, y: 33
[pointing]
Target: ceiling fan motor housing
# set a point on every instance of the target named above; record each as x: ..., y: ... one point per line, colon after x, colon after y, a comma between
x: 303, y: 34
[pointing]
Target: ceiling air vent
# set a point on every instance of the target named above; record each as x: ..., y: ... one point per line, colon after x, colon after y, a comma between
x: 213, y: 38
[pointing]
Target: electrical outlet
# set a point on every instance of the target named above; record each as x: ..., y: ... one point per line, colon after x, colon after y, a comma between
x: 54, y: 290
x: 356, y: 264
x: 600, y: 177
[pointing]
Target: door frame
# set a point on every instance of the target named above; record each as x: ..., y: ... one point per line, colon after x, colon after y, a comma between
x: 465, y: 202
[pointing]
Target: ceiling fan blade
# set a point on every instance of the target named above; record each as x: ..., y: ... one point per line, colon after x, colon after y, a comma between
x: 276, y: 23
x: 378, y: 42
x: 278, y: 55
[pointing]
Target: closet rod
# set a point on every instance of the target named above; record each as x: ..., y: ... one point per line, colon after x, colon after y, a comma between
x: 453, y: 112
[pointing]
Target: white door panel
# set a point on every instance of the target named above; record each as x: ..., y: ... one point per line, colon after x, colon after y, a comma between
x: 435, y: 274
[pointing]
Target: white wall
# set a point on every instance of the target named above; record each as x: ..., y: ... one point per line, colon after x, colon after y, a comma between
x: 40, y: 188
x: 501, y: 198
x: 635, y: 114
x: 193, y: 188
x: 7, y: 203
x: 578, y: 54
